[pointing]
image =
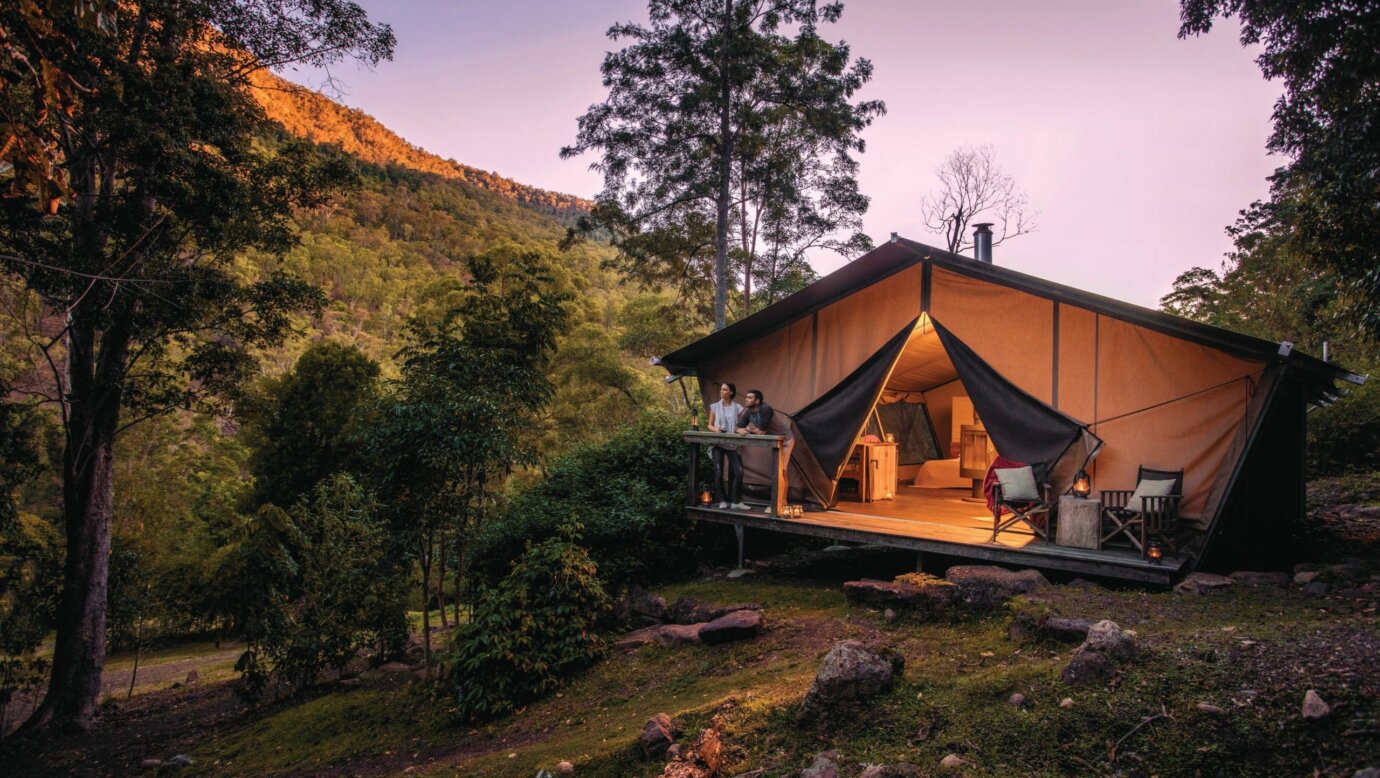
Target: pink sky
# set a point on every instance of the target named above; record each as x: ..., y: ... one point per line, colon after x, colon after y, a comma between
x: 1136, y: 147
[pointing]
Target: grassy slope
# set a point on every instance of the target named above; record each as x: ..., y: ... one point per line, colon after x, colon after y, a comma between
x: 1253, y: 652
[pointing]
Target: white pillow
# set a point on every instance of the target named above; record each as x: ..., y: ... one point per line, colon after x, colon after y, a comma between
x: 1148, y: 489
x: 1017, y: 484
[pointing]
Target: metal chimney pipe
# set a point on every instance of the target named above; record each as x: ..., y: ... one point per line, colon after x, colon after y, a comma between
x: 982, y: 242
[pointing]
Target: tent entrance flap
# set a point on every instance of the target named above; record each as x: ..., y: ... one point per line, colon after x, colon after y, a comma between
x: 1021, y: 427
x: 830, y: 425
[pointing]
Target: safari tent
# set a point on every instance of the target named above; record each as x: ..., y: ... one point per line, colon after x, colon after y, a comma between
x: 914, y: 343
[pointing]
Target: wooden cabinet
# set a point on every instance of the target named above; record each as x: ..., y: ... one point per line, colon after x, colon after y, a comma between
x: 872, y: 466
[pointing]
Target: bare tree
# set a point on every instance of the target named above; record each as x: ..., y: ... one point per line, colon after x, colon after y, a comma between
x: 971, y: 185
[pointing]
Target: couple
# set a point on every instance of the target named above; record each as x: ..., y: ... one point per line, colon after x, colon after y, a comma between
x: 727, y: 415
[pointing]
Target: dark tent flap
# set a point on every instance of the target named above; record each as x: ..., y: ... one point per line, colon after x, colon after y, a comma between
x: 1021, y: 427
x: 831, y: 423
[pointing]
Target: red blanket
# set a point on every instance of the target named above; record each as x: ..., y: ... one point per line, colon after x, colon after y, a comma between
x: 989, y: 484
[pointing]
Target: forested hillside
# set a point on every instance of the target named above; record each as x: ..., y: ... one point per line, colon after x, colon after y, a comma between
x: 313, y: 116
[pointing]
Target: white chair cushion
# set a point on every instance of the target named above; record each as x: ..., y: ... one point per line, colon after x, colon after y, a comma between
x: 1018, y: 484
x: 1148, y: 489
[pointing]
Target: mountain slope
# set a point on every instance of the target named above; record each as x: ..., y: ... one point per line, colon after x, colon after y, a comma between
x: 314, y: 116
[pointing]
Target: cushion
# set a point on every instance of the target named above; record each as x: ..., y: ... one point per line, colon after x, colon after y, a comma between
x: 1148, y: 488
x: 1017, y: 484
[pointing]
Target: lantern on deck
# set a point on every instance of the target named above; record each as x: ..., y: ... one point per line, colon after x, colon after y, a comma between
x: 705, y: 496
x: 1153, y: 552
x: 1082, y: 485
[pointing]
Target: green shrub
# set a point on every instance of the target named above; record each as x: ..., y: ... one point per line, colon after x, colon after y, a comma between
x: 529, y: 633
x: 1345, y: 437
x: 628, y: 494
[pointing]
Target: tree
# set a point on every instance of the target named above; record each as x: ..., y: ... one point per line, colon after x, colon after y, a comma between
x: 1327, y: 122
x: 464, y: 413
x: 972, y: 185
x: 298, y: 425
x: 694, y: 101
x: 168, y: 177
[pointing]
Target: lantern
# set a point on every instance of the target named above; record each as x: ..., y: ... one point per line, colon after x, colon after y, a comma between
x: 706, y: 497
x: 1082, y: 485
x: 1153, y: 552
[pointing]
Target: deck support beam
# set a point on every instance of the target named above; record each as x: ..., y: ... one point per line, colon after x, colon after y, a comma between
x: 738, y: 530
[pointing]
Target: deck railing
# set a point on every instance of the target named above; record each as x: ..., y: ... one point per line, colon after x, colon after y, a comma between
x: 697, y: 438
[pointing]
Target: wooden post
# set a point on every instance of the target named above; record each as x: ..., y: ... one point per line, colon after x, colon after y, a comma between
x: 776, y: 480
x: 694, y: 473
x: 738, y: 531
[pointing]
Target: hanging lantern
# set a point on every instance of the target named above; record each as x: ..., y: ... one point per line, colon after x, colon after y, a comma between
x: 1153, y: 552
x: 1082, y: 485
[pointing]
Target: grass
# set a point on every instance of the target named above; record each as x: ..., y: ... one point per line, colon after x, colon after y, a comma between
x: 453, y: 612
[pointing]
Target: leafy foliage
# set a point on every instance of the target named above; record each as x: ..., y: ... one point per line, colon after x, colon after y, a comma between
x: 530, y: 632
x: 30, y: 574
x: 321, y: 585
x: 298, y: 425
x: 1328, y: 123
x: 716, y: 114
x: 626, y: 493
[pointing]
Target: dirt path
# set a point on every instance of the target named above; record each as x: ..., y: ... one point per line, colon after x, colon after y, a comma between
x: 116, y: 682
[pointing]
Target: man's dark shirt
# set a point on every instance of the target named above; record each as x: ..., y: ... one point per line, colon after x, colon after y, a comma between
x: 759, y: 417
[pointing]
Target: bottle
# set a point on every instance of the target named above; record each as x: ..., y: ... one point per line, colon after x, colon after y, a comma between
x: 695, y: 418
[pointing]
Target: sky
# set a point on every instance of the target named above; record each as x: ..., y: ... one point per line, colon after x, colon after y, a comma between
x: 1136, y: 148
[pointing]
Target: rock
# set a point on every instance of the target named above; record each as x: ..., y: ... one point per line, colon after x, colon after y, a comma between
x: 1017, y: 699
x: 665, y: 635
x: 394, y: 667
x: 952, y: 761
x: 889, y: 615
x: 1261, y: 578
x: 1106, y: 638
x: 1202, y: 583
x: 739, y: 625
x: 640, y: 606
x: 1087, y: 667
x: 981, y: 587
x: 1346, y: 572
x: 673, y: 752
x: 850, y: 674
x: 1084, y: 584
x: 656, y: 736
x: 1315, y: 589
x: 349, y: 683
x: 1066, y: 703
x: 1305, y: 577
x: 1314, y: 708
x: 179, y: 761
x: 824, y: 766
x: 709, y: 750
x: 192, y: 677
x: 1210, y: 709
x: 1065, y: 630
x: 900, y: 596
x: 1369, y: 772
x: 688, y: 611
x: 565, y: 768
x: 740, y: 572
x: 148, y: 764
x: 899, y: 770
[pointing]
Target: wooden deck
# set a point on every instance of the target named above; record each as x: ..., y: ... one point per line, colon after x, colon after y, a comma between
x: 939, y: 521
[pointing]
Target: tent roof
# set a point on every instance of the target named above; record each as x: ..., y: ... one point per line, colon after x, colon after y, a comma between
x: 900, y: 253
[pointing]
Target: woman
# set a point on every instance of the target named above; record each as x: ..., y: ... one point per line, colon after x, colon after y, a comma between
x: 723, y: 417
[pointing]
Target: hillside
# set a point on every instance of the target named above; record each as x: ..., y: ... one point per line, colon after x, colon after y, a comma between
x: 311, y: 115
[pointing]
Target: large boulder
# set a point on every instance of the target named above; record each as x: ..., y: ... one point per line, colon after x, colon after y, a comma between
x: 657, y: 735
x: 1265, y: 579
x: 739, y: 625
x: 664, y: 635
x: 639, y: 607
x: 1087, y: 667
x: 904, y: 597
x: 688, y: 611
x: 1202, y: 583
x: 850, y: 674
x: 1110, y: 640
x: 982, y: 587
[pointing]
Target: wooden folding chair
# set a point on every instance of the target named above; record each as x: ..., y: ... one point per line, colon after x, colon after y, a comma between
x: 1033, y: 513
x: 1157, y: 518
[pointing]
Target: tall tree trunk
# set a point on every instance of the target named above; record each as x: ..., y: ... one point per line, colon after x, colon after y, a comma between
x: 747, y: 246
x: 441, y: 580
x: 88, y: 498
x: 725, y: 171
x: 424, y: 561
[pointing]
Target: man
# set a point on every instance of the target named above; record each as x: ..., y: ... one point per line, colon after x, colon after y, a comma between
x: 761, y: 419
x: 723, y: 417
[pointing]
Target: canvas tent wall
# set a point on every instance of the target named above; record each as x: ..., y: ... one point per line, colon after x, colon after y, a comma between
x: 1158, y: 390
